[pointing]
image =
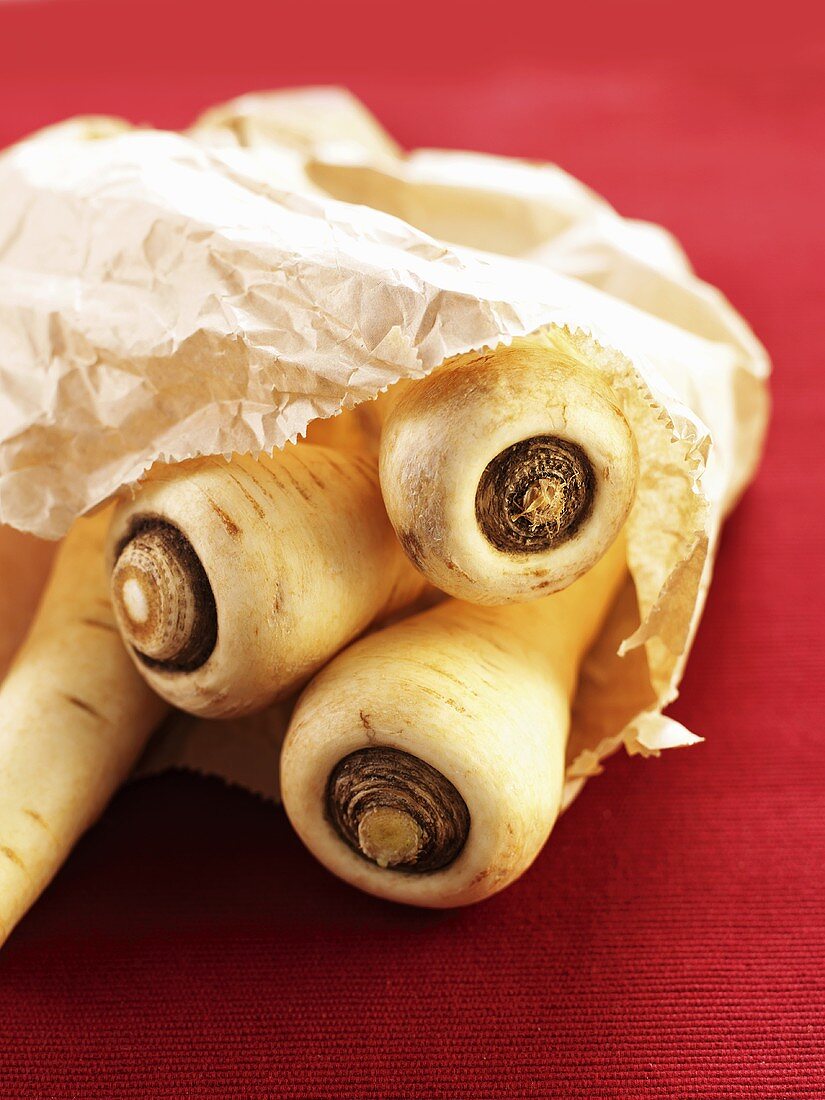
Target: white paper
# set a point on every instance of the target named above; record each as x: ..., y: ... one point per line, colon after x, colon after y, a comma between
x: 164, y: 296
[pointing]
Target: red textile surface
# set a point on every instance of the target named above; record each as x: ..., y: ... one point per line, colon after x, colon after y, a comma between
x: 670, y: 940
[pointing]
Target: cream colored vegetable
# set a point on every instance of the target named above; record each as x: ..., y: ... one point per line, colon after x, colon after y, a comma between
x: 425, y: 763
x: 74, y: 717
x: 508, y: 474
x: 234, y: 582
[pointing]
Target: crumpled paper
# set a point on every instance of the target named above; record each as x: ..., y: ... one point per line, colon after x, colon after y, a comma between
x: 164, y: 296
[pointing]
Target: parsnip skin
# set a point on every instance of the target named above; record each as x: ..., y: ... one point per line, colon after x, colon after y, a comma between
x: 507, y: 475
x: 296, y: 557
x: 480, y: 694
x: 74, y: 717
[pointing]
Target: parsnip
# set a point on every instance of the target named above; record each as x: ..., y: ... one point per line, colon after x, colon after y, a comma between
x: 508, y: 474
x: 234, y: 581
x: 425, y: 763
x: 74, y: 717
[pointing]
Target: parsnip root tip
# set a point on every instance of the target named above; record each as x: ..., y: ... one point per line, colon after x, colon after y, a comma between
x: 163, y: 599
x: 397, y: 811
x: 535, y: 494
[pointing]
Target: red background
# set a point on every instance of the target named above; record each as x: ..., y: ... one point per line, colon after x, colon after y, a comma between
x: 670, y: 941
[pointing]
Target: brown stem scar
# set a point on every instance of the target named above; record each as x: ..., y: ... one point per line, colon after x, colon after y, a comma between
x: 534, y: 495
x: 81, y: 704
x: 99, y: 625
x: 231, y: 527
x: 10, y: 854
x: 396, y: 810
x: 163, y: 598
x: 255, y: 505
